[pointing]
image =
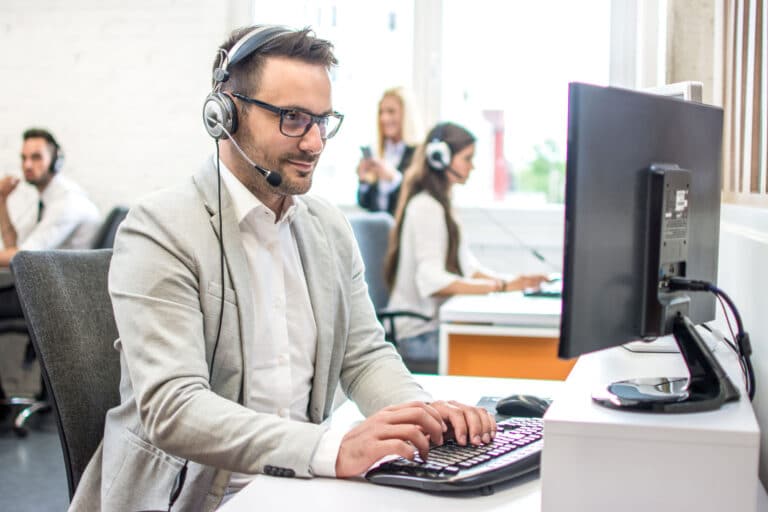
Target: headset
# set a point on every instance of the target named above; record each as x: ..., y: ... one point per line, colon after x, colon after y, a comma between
x: 57, y: 159
x: 438, y: 152
x: 220, y: 121
x: 219, y: 111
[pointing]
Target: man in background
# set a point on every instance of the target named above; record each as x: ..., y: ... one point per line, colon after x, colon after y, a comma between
x: 62, y: 218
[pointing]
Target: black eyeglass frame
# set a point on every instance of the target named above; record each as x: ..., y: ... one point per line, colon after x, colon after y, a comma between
x: 314, y: 119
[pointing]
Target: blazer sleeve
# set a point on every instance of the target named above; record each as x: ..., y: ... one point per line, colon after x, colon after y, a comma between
x: 367, y: 194
x: 372, y: 373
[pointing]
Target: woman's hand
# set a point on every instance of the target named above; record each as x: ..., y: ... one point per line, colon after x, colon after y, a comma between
x: 525, y: 281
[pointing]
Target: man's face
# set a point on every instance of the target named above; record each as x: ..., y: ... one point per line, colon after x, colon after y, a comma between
x: 293, y: 84
x: 36, y: 158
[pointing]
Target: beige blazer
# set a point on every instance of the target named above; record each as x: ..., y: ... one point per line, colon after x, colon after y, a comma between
x: 165, y: 284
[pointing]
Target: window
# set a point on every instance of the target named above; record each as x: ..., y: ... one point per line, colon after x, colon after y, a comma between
x: 506, y: 66
x: 497, y: 63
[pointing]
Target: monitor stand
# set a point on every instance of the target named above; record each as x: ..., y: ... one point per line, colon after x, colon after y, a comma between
x: 707, y: 388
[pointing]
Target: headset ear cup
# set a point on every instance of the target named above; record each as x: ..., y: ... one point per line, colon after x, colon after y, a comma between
x: 219, y: 115
x: 57, y: 162
x: 438, y: 155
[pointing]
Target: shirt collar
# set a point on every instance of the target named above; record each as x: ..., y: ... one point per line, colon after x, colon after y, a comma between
x: 51, y: 189
x: 245, y: 202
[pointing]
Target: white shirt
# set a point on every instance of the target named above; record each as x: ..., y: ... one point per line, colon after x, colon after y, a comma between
x: 421, y: 265
x: 393, y: 155
x: 282, y: 359
x: 69, y: 221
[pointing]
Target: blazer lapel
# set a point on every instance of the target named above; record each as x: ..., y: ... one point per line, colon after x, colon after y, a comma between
x: 236, y: 265
x: 320, y: 272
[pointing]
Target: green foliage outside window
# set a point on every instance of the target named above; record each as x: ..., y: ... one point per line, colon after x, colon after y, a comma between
x: 545, y: 173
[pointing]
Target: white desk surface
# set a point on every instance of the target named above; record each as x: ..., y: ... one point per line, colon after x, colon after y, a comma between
x: 510, y: 308
x: 327, y: 494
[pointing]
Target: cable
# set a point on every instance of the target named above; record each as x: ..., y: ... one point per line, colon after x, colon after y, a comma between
x: 741, y: 338
x: 536, y: 254
x: 178, y: 483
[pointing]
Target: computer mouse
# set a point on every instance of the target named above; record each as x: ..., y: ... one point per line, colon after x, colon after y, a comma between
x: 525, y: 406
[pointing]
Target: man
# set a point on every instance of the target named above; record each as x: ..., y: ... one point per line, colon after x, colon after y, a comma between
x: 62, y: 218
x: 230, y: 360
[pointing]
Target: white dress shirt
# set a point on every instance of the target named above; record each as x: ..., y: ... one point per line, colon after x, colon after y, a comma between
x: 282, y: 360
x: 69, y: 220
x: 393, y: 154
x: 421, y: 265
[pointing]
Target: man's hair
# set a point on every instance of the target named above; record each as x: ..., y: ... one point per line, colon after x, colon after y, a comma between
x: 244, y: 76
x: 41, y: 133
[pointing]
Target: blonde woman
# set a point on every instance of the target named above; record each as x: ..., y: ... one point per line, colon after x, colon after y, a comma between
x: 380, y: 174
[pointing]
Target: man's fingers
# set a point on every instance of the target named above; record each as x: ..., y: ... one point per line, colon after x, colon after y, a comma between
x: 417, y: 416
x: 410, y: 433
x: 421, y: 405
x: 477, y: 433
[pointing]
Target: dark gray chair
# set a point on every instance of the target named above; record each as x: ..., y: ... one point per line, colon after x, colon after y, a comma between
x: 105, y: 238
x: 69, y: 314
x: 371, y: 231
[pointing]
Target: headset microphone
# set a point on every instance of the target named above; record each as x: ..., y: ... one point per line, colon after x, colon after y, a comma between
x: 272, y: 177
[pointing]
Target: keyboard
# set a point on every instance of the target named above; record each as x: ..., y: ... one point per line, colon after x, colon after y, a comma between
x: 552, y: 289
x: 514, y: 452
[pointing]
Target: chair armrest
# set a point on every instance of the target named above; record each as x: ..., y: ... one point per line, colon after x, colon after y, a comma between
x: 387, y: 317
x: 394, y: 313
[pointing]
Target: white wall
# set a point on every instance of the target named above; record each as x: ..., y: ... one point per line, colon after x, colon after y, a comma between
x: 120, y: 84
x: 743, y: 276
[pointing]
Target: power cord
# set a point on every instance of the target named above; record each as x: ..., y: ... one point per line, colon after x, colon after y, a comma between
x: 741, y: 338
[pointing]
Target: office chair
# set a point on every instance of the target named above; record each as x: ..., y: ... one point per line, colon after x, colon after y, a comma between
x: 29, y: 405
x: 105, y: 238
x: 371, y: 231
x: 69, y: 313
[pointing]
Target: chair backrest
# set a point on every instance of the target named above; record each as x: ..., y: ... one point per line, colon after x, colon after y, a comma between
x: 372, y: 233
x: 69, y: 313
x: 105, y: 238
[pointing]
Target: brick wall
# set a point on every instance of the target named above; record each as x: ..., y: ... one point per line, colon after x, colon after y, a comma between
x: 120, y: 84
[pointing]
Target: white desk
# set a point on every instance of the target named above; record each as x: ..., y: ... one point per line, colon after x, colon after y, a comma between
x: 330, y: 495
x: 600, y: 459
x: 326, y: 494
x: 501, y: 335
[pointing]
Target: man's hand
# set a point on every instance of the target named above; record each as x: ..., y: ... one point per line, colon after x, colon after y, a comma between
x: 7, y: 185
x: 469, y: 424
x: 402, y: 429
x: 394, y: 430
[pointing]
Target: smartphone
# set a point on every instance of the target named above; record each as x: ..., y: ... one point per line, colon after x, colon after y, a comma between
x: 366, y: 150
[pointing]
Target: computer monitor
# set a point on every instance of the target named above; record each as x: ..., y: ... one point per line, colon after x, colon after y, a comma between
x: 642, y: 205
x: 688, y: 91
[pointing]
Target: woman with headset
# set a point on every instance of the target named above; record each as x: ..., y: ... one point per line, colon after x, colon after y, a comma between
x: 380, y: 175
x: 428, y: 259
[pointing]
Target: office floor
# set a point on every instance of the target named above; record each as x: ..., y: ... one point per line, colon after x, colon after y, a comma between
x: 32, y: 474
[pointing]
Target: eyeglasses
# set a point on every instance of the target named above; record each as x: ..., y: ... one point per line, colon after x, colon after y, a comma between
x: 296, y: 123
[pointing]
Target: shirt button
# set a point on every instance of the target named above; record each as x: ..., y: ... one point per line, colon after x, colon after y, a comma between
x: 282, y: 359
x: 282, y: 412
